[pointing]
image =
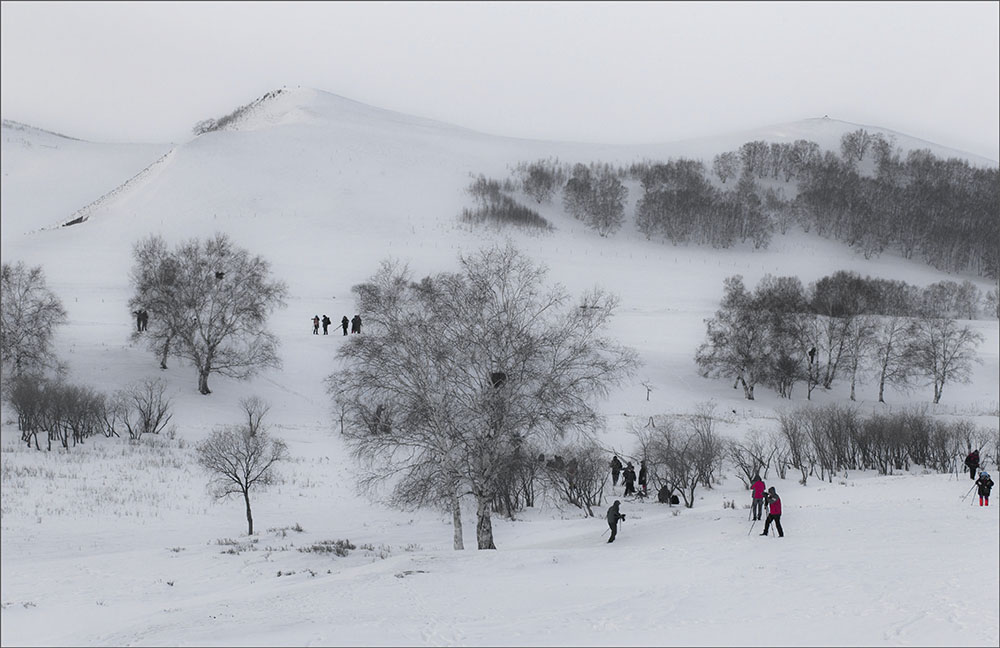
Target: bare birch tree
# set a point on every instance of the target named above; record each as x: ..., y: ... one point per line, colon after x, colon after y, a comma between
x: 461, y: 370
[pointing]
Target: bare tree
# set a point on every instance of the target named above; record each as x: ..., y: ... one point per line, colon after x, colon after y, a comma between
x: 891, y: 355
x: 254, y: 409
x: 726, y: 165
x: 461, y: 370
x: 942, y: 352
x: 578, y: 474
x: 216, y: 298
x: 859, y: 339
x: 30, y: 314
x: 681, y: 457
x: 239, y: 462
x: 144, y: 408
x: 605, y: 211
x: 738, y: 345
x: 751, y: 456
x: 156, y: 278
x: 796, y: 442
x: 854, y: 145
x: 26, y: 394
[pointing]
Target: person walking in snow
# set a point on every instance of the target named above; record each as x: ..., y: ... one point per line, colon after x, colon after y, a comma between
x: 326, y: 324
x: 985, y: 484
x: 613, y: 517
x: 343, y: 323
x: 757, y: 490
x: 773, y: 512
x: 143, y: 320
x: 643, y: 475
x: 356, y: 324
x: 972, y: 463
x: 629, y: 476
x: 616, y: 468
x: 315, y: 324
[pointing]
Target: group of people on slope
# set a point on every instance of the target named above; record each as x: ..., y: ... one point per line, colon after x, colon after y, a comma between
x: 984, y: 484
x: 628, y: 476
x: 761, y: 497
x: 355, y: 323
x: 771, y: 500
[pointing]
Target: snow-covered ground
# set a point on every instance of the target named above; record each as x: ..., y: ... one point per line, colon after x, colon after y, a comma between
x: 119, y: 544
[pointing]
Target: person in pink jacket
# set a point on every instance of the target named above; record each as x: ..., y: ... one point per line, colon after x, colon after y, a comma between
x: 757, y: 489
x: 773, y: 512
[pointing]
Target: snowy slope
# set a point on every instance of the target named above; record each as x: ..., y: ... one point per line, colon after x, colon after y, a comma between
x: 47, y: 176
x: 120, y: 543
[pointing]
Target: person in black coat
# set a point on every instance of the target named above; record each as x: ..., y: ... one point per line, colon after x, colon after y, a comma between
x: 972, y: 463
x: 343, y: 323
x: 643, y: 476
x: 356, y: 324
x: 629, y: 476
x: 326, y: 324
x: 315, y: 321
x: 985, y: 484
x: 616, y: 468
x: 613, y: 517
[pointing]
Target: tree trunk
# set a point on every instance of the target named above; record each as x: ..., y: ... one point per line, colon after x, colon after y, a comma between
x: 166, y: 352
x: 203, y: 382
x: 456, y: 521
x: 938, y: 388
x: 484, y: 527
x: 881, y: 385
x: 246, y: 497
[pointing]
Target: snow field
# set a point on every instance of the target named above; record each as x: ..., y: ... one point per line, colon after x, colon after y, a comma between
x: 118, y: 543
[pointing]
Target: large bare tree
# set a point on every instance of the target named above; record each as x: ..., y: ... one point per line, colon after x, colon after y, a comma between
x: 209, y: 302
x: 459, y: 371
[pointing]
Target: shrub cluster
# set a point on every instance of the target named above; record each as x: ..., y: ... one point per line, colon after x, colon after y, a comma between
x: 827, y: 440
x: 210, y: 125
x: 496, y: 207
x: 63, y: 412
x: 575, y: 474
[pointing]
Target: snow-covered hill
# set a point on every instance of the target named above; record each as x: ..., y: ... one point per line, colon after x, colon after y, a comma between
x: 123, y: 546
x: 48, y: 176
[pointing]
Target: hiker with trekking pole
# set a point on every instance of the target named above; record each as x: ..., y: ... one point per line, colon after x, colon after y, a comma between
x: 985, y: 484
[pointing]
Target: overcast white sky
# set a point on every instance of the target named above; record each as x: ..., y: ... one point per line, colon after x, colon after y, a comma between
x: 591, y: 71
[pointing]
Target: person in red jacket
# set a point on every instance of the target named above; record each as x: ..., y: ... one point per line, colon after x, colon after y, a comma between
x: 757, y: 489
x: 773, y: 512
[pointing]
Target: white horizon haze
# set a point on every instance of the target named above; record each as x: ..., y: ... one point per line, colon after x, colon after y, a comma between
x: 622, y: 73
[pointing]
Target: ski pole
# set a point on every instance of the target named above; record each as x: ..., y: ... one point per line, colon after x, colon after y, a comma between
x: 751, y: 527
x: 967, y: 494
